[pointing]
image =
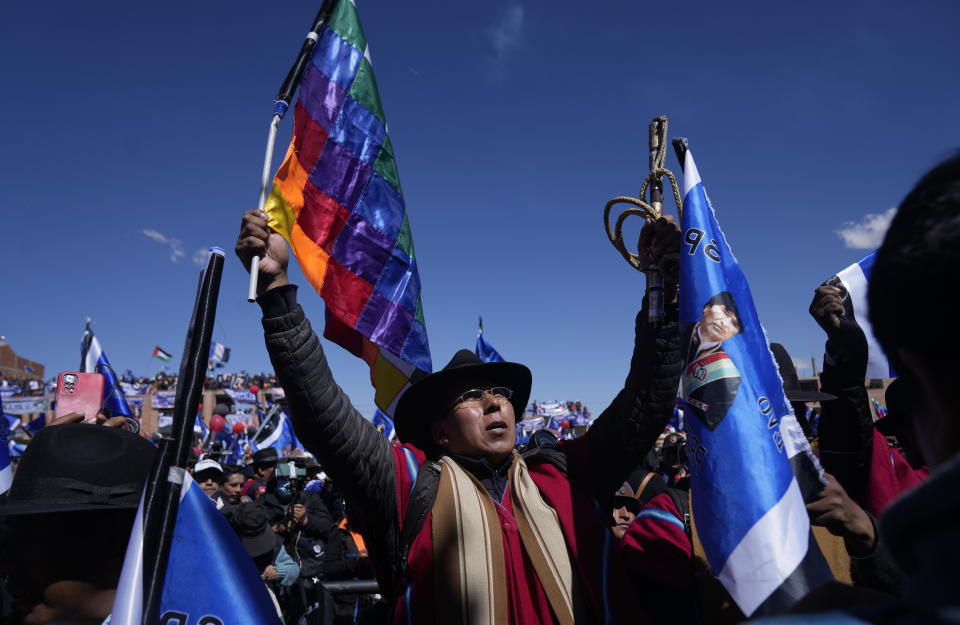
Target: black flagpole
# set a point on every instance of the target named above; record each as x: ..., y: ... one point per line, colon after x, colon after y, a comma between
x: 163, y: 493
x: 281, y: 104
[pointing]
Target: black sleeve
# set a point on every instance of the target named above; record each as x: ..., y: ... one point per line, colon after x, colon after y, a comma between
x: 846, y: 424
x: 318, y: 517
x: 623, y: 434
x: 351, y: 450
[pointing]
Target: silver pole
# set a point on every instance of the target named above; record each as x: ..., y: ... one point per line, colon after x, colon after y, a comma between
x: 264, y: 189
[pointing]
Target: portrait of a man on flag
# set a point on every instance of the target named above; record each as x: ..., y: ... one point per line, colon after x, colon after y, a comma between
x: 711, y: 379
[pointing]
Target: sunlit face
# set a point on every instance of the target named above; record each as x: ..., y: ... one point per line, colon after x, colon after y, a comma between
x: 231, y: 488
x: 718, y: 324
x: 484, y: 428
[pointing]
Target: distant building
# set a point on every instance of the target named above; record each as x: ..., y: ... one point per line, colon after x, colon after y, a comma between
x: 16, y: 367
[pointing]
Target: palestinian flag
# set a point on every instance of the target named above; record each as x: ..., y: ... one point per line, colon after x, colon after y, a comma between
x: 161, y: 355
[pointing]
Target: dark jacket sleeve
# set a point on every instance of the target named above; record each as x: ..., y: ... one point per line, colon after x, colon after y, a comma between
x: 352, y: 452
x: 846, y: 423
x: 623, y: 434
x: 318, y: 517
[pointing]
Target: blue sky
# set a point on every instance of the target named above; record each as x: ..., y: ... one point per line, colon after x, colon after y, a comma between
x: 134, y: 138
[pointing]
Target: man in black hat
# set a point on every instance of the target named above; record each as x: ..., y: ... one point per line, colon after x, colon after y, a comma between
x: 493, y: 534
x: 69, y: 514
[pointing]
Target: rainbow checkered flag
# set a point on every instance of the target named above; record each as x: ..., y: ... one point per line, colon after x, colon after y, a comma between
x: 338, y: 202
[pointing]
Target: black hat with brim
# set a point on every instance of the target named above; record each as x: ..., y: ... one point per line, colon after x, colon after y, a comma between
x: 79, y: 467
x: 791, y: 381
x: 431, y: 398
x: 249, y: 521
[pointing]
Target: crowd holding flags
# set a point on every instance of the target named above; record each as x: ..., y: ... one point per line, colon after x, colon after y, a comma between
x: 741, y: 433
x: 337, y: 200
x: 93, y: 360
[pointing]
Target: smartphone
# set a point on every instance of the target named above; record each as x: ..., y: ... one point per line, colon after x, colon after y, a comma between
x: 79, y: 392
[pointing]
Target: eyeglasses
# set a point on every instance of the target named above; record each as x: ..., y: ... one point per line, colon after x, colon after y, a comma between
x: 475, y: 395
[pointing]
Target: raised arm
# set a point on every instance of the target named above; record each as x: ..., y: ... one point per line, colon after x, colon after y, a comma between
x: 624, y: 433
x: 350, y: 449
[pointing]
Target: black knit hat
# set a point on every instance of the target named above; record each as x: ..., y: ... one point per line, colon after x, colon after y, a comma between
x: 79, y: 466
x: 430, y: 398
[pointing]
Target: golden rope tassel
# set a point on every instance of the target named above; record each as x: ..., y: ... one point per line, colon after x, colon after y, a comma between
x: 669, y: 267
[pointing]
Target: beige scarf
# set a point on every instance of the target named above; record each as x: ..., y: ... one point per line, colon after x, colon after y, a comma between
x: 469, y: 568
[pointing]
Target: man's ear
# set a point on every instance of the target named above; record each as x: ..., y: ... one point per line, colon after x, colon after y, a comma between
x: 439, y: 434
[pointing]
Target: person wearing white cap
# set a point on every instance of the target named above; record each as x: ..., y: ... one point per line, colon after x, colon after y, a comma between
x: 209, y: 475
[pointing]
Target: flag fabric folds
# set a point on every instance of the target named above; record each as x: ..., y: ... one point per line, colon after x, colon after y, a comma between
x: 742, y: 435
x: 93, y: 360
x: 385, y: 424
x: 160, y: 354
x: 210, y: 577
x: 852, y: 282
x: 484, y: 350
x: 6, y: 471
x: 337, y: 200
x: 278, y: 433
x: 219, y: 353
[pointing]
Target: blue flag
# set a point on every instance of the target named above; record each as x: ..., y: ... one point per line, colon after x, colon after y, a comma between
x: 210, y: 576
x: 385, y: 424
x: 36, y: 425
x: 278, y: 433
x: 484, y: 350
x: 742, y: 436
x: 93, y: 360
x: 852, y: 282
x: 6, y: 472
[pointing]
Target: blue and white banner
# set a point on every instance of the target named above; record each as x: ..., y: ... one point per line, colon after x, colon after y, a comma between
x: 93, y: 360
x: 484, y: 350
x: 241, y: 396
x: 10, y: 390
x: 741, y: 431
x: 164, y: 399
x: 852, y: 282
x: 210, y: 577
x: 25, y: 405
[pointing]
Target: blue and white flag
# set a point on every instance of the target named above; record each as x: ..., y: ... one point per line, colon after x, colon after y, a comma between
x: 484, y: 350
x: 35, y: 425
x: 278, y: 433
x: 210, y: 576
x: 741, y: 431
x: 219, y: 352
x: 6, y: 471
x: 385, y: 424
x: 852, y: 282
x: 93, y: 360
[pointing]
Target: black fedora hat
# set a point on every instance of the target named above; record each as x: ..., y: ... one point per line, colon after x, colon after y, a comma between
x: 249, y: 521
x: 431, y: 397
x: 791, y: 381
x: 79, y: 466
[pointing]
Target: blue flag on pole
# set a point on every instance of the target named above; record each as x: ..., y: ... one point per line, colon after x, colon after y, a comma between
x: 93, y: 360
x: 742, y: 436
x: 852, y: 283
x: 35, y: 425
x: 210, y: 576
x: 484, y: 350
x: 277, y: 434
x: 6, y: 472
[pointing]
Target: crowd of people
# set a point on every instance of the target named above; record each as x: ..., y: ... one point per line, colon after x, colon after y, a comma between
x: 457, y: 523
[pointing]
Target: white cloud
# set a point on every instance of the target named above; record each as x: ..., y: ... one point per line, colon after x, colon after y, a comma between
x: 866, y: 234
x: 175, y: 245
x: 505, y: 34
x: 200, y: 257
x: 804, y: 367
